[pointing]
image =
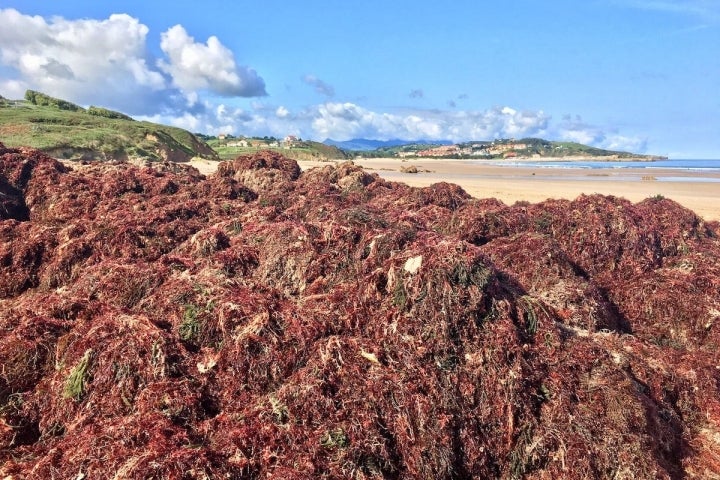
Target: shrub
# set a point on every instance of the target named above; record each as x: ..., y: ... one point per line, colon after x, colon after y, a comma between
x: 38, y: 98
x: 104, y: 112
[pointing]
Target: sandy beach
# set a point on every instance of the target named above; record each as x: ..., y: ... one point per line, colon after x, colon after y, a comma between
x: 514, y: 183
x: 698, y: 191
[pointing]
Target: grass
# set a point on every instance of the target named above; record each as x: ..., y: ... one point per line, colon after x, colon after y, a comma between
x: 235, y: 227
x: 51, y: 129
x: 304, y: 152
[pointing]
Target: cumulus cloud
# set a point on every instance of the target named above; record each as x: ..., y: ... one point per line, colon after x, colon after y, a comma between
x: 343, y: 121
x: 82, y: 60
x: 12, y: 88
x: 105, y: 62
x: 574, y: 129
x: 320, y: 86
x: 211, y: 66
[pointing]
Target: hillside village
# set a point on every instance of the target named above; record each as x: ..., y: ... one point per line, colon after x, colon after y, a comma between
x: 479, y: 149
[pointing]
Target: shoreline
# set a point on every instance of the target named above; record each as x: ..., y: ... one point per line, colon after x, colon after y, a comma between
x: 513, y: 183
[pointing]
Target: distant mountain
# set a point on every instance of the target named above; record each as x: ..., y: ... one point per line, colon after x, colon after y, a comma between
x: 364, y: 144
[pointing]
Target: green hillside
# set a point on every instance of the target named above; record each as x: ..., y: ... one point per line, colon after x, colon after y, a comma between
x: 66, y: 130
x: 301, y: 150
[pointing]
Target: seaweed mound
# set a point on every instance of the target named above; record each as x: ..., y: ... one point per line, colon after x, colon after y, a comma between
x: 267, y: 323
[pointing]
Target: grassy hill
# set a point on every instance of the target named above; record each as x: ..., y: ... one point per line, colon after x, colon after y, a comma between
x: 230, y: 148
x: 65, y: 130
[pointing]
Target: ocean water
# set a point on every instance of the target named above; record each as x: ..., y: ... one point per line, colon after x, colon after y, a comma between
x: 688, y: 170
x: 693, y: 165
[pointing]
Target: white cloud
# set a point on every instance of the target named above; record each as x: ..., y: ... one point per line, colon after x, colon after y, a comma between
x: 12, y: 88
x: 104, y: 62
x: 576, y: 130
x: 625, y: 144
x: 81, y: 60
x: 282, y: 112
x: 195, y: 66
x: 343, y: 121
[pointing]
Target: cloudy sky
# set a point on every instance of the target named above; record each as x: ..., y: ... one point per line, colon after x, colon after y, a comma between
x: 639, y: 75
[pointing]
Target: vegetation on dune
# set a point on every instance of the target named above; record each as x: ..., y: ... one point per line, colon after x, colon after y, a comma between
x: 301, y: 150
x: 104, y: 112
x: 38, y: 98
x: 66, y: 130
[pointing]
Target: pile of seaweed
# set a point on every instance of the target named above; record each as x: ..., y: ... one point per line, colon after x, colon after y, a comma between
x: 266, y: 323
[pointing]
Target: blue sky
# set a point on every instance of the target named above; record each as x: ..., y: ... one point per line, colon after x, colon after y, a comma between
x: 639, y: 75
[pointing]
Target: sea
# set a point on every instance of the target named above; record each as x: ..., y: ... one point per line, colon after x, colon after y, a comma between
x: 693, y: 170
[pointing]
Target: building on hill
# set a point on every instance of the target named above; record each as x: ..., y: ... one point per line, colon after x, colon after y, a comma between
x: 500, y: 149
x: 290, y: 141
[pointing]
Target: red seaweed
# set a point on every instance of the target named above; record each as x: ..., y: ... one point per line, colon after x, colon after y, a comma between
x: 266, y: 323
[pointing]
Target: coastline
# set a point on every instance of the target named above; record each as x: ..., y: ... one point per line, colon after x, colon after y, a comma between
x: 513, y: 183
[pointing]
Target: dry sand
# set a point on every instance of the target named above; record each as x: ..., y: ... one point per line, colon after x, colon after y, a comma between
x: 515, y: 183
